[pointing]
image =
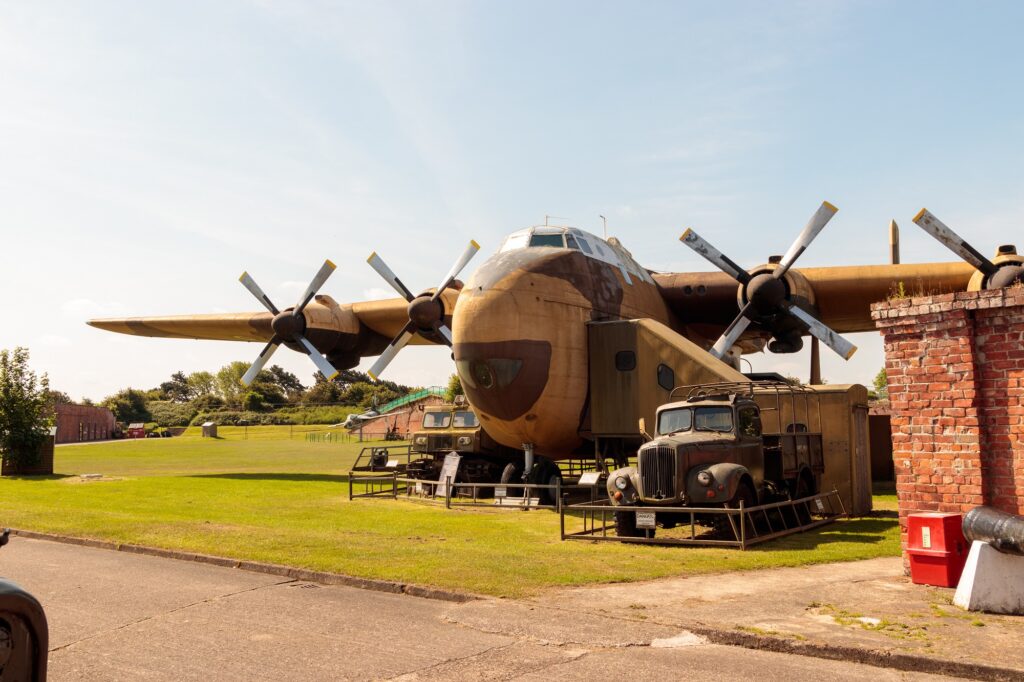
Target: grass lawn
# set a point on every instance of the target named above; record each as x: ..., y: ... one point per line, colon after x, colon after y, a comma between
x: 276, y: 497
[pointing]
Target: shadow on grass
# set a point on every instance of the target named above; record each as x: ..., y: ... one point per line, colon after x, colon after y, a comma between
x: 41, y: 477
x: 267, y: 476
x: 863, y: 530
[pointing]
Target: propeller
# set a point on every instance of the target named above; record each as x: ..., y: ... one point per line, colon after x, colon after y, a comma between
x: 289, y: 326
x: 765, y: 292
x: 1006, y: 269
x: 426, y: 311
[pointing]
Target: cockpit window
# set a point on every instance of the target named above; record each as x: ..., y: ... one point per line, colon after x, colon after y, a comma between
x: 570, y: 241
x: 464, y: 419
x: 547, y: 240
x: 516, y: 241
x: 584, y: 246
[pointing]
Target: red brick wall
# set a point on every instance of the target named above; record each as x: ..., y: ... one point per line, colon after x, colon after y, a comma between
x: 408, y: 421
x: 955, y: 364
x: 77, y: 423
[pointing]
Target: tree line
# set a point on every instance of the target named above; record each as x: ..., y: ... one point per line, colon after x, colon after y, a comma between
x: 184, y: 398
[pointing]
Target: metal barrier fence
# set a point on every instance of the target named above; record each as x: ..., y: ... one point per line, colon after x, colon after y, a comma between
x: 456, y: 494
x: 747, y: 525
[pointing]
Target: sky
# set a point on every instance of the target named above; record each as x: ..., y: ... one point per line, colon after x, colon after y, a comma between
x: 150, y: 151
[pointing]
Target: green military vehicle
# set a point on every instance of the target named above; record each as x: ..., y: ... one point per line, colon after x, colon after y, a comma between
x: 723, y: 444
x: 455, y: 428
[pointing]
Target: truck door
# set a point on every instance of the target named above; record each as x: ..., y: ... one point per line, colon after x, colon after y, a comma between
x: 748, y: 430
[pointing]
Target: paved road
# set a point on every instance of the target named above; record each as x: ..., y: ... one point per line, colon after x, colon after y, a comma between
x: 121, y: 616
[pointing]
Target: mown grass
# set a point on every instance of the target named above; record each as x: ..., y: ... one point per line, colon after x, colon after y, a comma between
x: 284, y: 500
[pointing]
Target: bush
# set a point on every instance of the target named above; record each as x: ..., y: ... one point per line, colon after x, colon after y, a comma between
x: 166, y: 413
x: 284, y: 416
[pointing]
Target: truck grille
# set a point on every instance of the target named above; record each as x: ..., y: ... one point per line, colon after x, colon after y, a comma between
x: 435, y: 443
x: 658, y: 472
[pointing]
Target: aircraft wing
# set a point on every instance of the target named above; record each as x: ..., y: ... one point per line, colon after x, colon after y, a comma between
x: 842, y: 295
x: 343, y: 332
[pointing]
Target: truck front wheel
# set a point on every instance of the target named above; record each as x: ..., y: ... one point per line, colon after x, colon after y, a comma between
x: 625, y: 525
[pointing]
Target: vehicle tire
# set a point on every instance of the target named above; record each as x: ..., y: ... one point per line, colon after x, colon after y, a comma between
x: 803, y: 488
x: 625, y: 525
x: 744, y: 493
x: 548, y: 473
x: 512, y: 473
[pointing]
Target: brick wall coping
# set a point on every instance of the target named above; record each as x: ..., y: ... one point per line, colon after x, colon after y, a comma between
x: 895, y: 311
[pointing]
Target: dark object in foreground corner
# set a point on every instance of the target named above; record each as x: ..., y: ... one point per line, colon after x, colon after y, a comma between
x: 1003, y: 531
x: 24, y: 636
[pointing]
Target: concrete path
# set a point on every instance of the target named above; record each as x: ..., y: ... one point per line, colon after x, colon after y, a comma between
x: 115, y: 615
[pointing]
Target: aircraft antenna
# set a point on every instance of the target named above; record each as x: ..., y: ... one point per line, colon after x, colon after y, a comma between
x: 605, y: 221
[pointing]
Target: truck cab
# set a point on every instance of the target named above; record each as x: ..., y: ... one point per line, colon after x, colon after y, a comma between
x: 454, y: 427
x: 711, y: 448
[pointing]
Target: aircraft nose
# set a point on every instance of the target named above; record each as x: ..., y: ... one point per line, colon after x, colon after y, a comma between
x: 503, y: 378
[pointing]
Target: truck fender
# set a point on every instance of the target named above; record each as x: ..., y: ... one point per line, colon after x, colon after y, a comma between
x: 726, y: 477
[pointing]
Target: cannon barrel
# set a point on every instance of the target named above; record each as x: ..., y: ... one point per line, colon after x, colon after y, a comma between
x: 1003, y: 531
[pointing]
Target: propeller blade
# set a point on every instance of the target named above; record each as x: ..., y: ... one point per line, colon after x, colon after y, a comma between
x: 250, y: 284
x: 716, y: 257
x: 466, y: 256
x: 318, y: 281
x: 821, y: 332
x: 378, y: 264
x: 444, y: 331
x: 732, y: 333
x: 390, y: 352
x: 804, y: 239
x: 326, y: 368
x: 936, y: 228
x: 261, y: 361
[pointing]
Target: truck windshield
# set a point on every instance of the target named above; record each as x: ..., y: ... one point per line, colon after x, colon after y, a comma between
x: 465, y: 419
x: 437, y: 420
x: 713, y: 419
x: 679, y: 419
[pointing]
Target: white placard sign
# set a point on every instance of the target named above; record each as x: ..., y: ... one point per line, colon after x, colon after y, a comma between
x: 590, y: 478
x: 449, y: 470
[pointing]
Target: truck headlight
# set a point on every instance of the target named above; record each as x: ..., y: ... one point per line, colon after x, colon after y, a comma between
x: 421, y: 440
x: 705, y: 478
x: 621, y: 482
x: 465, y: 440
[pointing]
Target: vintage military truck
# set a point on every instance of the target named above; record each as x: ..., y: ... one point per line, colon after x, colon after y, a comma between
x: 453, y: 427
x: 725, y: 443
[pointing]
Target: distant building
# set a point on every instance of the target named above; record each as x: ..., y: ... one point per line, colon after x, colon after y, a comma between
x: 81, y: 423
x: 401, y: 415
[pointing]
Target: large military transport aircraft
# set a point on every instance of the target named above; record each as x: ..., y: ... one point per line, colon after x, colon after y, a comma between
x: 518, y: 327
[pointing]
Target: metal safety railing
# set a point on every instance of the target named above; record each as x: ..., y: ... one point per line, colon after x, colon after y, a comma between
x: 708, y: 526
x: 458, y: 494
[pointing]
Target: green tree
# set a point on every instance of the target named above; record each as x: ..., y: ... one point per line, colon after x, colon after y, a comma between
x: 881, y: 385
x: 177, y: 390
x: 287, y: 382
x: 59, y: 398
x: 229, y: 382
x: 201, y: 384
x: 454, y: 388
x: 128, y: 405
x: 26, y: 412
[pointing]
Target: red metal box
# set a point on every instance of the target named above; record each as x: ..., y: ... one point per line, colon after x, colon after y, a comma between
x: 936, y: 547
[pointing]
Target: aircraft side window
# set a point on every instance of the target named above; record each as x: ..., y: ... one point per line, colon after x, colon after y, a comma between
x: 625, y: 360
x: 666, y: 377
x: 555, y: 240
x: 585, y: 247
x: 570, y: 241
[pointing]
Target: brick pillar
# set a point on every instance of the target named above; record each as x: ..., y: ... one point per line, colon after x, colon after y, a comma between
x: 955, y: 364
